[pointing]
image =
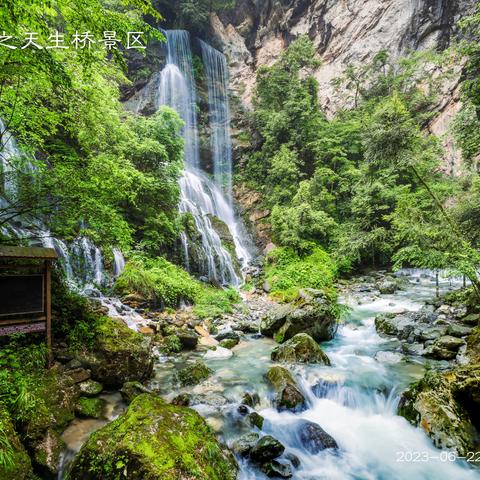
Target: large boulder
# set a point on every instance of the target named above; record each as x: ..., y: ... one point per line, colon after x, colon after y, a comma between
x: 400, y: 326
x: 314, y: 438
x: 313, y: 314
x: 154, y: 440
x: 119, y: 355
x: 288, y: 395
x: 302, y: 348
x: 446, y: 406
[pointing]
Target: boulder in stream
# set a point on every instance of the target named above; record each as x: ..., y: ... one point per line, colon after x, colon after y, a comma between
x: 154, y: 440
x: 266, y: 449
x: 243, y: 445
x: 276, y: 469
x: 302, y: 348
x: 288, y: 395
x: 130, y: 390
x: 314, y: 438
x: 193, y: 374
x: 314, y: 314
x: 90, y: 407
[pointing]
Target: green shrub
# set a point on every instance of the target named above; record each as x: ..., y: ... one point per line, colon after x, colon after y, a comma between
x: 287, y: 272
x: 212, y: 302
x: 158, y: 280
x: 166, y: 285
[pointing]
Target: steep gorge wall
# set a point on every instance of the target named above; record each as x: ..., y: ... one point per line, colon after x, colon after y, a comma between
x: 344, y: 32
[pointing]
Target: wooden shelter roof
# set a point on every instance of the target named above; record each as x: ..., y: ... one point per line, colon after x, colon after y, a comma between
x: 37, y: 253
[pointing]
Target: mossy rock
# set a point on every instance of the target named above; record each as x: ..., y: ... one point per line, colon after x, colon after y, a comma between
x: 130, y: 390
x: 302, y: 348
x: 90, y: 407
x: 446, y: 406
x: 120, y: 354
x: 55, y: 398
x: 154, y: 440
x: 473, y: 346
x: 19, y: 466
x: 90, y: 388
x: 229, y: 343
x: 288, y: 395
x: 314, y: 314
x: 193, y: 374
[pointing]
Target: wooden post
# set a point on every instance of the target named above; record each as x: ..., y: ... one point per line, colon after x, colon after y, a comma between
x: 436, y: 284
x: 48, y: 309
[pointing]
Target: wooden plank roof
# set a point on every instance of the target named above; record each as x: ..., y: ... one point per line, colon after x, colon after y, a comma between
x: 38, y: 253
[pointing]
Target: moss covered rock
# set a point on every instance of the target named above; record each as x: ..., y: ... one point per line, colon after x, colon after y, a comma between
x: 17, y: 465
x: 154, y: 440
x: 193, y: 374
x: 90, y: 407
x: 302, y: 348
x: 55, y: 397
x: 313, y: 314
x: 288, y: 395
x: 119, y: 355
x: 446, y: 406
x: 130, y: 390
x: 229, y: 343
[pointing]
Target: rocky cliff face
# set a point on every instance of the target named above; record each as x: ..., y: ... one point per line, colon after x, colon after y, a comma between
x: 344, y: 32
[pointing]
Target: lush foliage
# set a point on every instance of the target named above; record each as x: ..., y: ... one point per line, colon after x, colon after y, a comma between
x: 367, y: 185
x: 287, y: 272
x: 192, y: 14
x: 118, y: 169
x: 165, y: 285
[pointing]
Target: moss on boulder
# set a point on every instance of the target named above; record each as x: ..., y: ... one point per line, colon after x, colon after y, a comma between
x: 288, y: 395
x: 119, y: 355
x: 302, y: 348
x: 446, y: 406
x: 154, y: 440
x: 193, y: 374
x: 90, y: 407
x: 314, y: 314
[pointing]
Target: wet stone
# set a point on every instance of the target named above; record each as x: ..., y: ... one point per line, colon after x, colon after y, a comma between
x: 275, y: 469
x: 255, y: 420
x: 314, y: 438
x: 244, y: 444
x: 266, y: 449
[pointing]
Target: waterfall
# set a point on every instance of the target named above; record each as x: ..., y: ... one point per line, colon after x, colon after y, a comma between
x: 201, y: 197
x: 119, y: 262
x: 177, y: 89
x: 219, y: 114
x: 9, y: 151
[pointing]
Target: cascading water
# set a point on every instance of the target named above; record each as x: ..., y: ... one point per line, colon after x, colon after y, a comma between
x: 199, y: 196
x: 216, y: 71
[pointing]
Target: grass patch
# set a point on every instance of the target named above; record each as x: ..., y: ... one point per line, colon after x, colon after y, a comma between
x: 212, y: 302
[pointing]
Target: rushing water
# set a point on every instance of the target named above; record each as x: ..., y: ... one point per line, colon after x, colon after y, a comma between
x: 201, y: 197
x: 354, y: 400
x: 216, y: 71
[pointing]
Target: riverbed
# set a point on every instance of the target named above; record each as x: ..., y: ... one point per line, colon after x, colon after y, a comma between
x: 355, y: 400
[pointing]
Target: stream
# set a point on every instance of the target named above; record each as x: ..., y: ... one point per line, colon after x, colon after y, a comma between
x: 354, y: 400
